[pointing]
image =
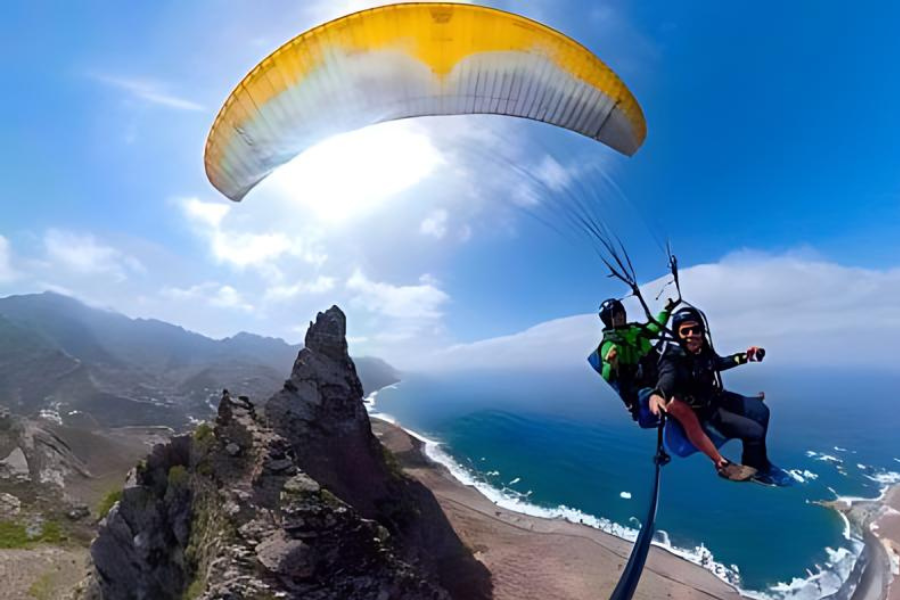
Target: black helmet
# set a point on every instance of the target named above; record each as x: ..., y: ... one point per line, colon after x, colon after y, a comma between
x: 608, y: 310
x: 685, y: 315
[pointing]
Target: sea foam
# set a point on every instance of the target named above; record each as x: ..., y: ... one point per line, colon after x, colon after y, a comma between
x: 823, y: 457
x: 885, y: 477
x: 826, y: 580
x: 517, y: 502
x: 802, y: 476
x: 817, y: 585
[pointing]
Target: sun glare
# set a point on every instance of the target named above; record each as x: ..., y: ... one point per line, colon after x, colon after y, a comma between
x: 356, y: 173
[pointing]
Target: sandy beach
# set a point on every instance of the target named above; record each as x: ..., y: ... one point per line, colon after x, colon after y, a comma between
x: 878, y: 521
x: 533, y: 558
x: 887, y: 529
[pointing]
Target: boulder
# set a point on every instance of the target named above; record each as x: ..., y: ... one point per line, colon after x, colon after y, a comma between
x: 15, y: 466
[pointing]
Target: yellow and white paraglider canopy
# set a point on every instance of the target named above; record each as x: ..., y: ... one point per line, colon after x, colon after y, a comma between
x: 410, y: 60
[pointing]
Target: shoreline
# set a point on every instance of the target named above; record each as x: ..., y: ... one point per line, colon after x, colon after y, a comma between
x: 535, y: 557
x: 877, y: 573
x: 841, y: 579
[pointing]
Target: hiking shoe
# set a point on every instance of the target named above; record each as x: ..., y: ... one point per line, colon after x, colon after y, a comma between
x: 735, y: 472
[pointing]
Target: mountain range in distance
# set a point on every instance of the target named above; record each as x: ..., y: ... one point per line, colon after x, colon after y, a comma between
x: 88, y: 367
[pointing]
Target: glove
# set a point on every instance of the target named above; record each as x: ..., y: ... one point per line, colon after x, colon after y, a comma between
x: 755, y: 354
x: 612, y: 356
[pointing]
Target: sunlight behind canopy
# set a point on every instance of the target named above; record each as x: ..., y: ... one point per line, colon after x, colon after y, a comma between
x: 408, y: 60
x: 352, y: 173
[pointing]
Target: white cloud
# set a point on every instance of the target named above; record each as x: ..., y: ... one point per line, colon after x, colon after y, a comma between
x: 7, y: 272
x: 551, y: 173
x: 212, y: 293
x: 149, y: 91
x: 210, y: 214
x: 228, y: 297
x: 396, y: 322
x: 283, y: 293
x: 59, y: 289
x: 246, y: 249
x: 552, y: 344
x: 498, y: 170
x: 83, y: 254
x: 805, y: 311
x: 196, y: 291
x: 242, y: 249
x: 408, y: 302
x: 435, y: 224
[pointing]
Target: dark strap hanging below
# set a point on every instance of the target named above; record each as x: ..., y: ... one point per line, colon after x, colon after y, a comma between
x: 632, y: 573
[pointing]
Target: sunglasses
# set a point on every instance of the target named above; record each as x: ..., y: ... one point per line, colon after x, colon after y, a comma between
x: 690, y: 330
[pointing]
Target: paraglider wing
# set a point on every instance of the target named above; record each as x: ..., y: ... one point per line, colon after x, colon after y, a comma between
x: 409, y: 60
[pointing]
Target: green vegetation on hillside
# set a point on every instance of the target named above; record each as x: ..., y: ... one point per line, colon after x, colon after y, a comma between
x: 195, y: 589
x: 107, y: 503
x: 204, y: 433
x: 392, y: 463
x: 42, y: 588
x: 14, y: 534
x: 178, y: 477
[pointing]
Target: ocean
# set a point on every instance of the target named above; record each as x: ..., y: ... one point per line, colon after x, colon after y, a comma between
x: 561, y: 444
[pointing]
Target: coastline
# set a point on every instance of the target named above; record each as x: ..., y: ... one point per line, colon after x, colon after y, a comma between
x: 533, y: 557
x: 877, y: 520
x: 845, y: 574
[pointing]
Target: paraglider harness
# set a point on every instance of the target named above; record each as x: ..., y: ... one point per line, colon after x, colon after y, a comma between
x: 640, y: 344
x: 630, y: 374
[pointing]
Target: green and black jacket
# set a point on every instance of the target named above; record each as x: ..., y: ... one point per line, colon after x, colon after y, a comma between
x: 636, y: 361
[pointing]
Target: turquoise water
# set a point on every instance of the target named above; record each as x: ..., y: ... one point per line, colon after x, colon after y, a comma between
x: 563, y: 439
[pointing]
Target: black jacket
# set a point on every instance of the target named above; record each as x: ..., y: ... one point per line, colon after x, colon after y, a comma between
x: 692, y: 377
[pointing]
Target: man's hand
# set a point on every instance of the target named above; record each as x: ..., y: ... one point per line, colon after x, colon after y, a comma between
x: 755, y: 354
x: 612, y: 356
x: 657, y: 403
x: 671, y: 304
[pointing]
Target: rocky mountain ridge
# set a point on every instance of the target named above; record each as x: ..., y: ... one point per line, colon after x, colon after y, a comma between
x: 91, y: 367
x: 291, y: 498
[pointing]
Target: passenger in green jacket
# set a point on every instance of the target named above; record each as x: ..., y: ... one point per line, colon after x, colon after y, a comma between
x: 626, y: 357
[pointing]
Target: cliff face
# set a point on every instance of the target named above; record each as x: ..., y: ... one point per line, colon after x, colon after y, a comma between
x: 301, y: 502
x: 320, y: 411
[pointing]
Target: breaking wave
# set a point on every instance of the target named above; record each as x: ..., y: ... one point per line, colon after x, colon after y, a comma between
x: 826, y: 580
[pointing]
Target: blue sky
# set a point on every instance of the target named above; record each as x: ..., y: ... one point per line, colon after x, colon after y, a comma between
x: 772, y: 131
